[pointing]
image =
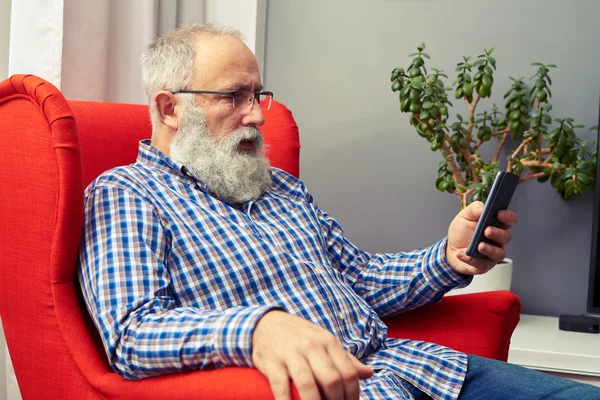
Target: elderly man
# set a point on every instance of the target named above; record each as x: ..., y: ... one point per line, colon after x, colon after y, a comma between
x: 201, y: 256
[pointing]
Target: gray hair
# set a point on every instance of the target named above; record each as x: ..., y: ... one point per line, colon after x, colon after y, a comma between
x: 168, y: 61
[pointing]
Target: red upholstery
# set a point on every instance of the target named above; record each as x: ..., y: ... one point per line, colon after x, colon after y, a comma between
x: 51, y: 149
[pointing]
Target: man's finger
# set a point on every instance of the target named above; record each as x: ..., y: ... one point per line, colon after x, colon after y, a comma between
x: 347, y: 370
x: 500, y: 236
x: 279, y: 381
x: 327, y: 374
x: 364, y: 371
x: 507, y: 218
x: 475, y: 266
x: 303, y: 378
x: 496, y: 254
x: 473, y: 211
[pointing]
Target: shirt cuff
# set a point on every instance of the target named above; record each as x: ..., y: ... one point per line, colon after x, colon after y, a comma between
x: 438, y: 271
x: 233, y: 335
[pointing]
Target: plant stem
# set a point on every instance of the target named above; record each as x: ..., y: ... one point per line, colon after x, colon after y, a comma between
x: 539, y: 136
x: 451, y: 161
x: 467, y: 154
x: 504, y: 132
x: 531, y: 175
x: 471, y: 108
x: 521, y: 146
x: 536, y: 163
x: 458, y: 179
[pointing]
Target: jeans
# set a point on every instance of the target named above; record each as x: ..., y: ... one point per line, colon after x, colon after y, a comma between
x: 496, y: 380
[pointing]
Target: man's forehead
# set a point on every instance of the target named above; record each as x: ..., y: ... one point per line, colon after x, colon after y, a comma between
x: 226, y: 60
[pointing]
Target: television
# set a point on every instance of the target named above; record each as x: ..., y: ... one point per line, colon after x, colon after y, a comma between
x: 593, y: 302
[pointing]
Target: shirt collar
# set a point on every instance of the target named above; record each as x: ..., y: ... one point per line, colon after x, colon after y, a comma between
x: 153, y: 157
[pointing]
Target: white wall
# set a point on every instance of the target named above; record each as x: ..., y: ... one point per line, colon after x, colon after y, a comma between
x: 330, y: 63
x: 249, y: 17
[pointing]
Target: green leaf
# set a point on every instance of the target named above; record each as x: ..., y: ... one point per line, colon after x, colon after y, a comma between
x: 546, y: 118
x: 421, y: 47
x: 416, y: 85
x: 405, y: 91
x: 477, y: 186
x: 583, y: 178
x: 568, y: 174
x: 427, y: 105
x: 487, y: 80
x: 424, y: 115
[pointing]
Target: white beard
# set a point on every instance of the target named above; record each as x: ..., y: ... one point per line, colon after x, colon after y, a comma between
x: 231, y: 176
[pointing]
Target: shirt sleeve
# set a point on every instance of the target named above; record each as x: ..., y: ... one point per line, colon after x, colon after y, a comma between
x: 125, y: 283
x: 390, y: 282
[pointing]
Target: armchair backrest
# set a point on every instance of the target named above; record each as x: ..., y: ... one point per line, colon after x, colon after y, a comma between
x: 51, y: 149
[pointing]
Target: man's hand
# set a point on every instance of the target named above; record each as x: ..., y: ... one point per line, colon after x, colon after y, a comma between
x: 459, y: 235
x: 287, y: 347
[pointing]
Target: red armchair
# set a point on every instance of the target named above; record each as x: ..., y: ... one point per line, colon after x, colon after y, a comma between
x: 51, y: 149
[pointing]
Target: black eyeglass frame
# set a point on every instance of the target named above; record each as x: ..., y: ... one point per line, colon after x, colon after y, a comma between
x: 232, y: 94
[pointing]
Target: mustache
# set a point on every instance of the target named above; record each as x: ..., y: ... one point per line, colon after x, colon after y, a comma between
x: 233, y: 139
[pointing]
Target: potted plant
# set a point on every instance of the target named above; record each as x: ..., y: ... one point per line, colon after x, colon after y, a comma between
x: 547, y: 148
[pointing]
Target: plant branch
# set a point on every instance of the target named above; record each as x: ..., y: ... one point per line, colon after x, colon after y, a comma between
x: 458, y: 178
x: 531, y: 175
x: 521, y: 146
x: 499, y: 148
x: 536, y: 163
x: 497, y: 133
x: 539, y: 137
x: 472, y: 108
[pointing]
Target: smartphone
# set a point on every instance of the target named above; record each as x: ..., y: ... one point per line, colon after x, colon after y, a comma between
x: 499, y: 198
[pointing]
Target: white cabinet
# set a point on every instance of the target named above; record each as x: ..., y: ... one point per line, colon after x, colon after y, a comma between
x: 537, y: 343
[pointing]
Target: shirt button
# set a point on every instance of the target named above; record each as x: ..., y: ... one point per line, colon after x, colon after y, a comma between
x: 319, y: 270
x: 341, y: 316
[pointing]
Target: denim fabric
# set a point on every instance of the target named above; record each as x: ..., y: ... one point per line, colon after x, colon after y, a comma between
x: 496, y: 380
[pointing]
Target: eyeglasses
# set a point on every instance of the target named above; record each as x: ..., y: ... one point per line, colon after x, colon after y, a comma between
x: 242, y: 100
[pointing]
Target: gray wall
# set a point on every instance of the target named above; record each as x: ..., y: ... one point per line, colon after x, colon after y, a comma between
x: 330, y: 62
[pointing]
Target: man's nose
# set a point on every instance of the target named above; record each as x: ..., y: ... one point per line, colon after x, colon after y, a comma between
x: 255, y: 116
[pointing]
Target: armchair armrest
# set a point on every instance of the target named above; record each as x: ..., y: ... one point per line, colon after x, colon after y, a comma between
x: 476, y: 323
x: 231, y: 383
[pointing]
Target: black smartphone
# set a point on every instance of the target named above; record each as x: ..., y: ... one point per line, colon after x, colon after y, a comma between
x: 499, y: 198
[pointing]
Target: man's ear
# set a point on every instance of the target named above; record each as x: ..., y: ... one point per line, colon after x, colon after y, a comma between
x: 168, y: 109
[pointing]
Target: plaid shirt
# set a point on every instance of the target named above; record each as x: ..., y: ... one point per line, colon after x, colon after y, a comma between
x: 177, y: 280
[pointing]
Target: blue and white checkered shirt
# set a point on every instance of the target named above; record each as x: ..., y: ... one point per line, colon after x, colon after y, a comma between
x: 176, y: 280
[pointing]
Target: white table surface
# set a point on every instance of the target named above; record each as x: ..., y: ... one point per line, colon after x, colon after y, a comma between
x: 538, y: 343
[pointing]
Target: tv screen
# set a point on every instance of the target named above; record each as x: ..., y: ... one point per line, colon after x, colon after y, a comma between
x: 593, y: 304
